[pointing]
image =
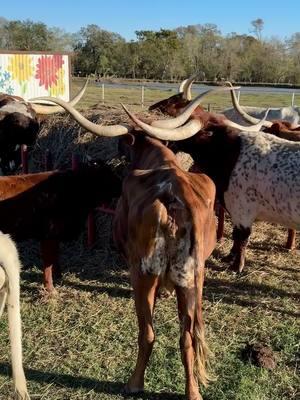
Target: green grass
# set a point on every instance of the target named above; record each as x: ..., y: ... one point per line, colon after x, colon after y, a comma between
x: 132, y: 96
x: 82, y: 344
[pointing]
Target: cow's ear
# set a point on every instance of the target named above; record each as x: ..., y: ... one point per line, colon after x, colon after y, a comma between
x: 129, y: 139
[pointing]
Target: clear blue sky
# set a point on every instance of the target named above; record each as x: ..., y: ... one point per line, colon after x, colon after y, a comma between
x: 281, y: 17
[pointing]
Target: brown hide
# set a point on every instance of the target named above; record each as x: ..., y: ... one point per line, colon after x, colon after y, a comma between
x: 284, y: 130
x: 165, y: 227
x: 171, y: 106
x: 175, y: 104
x: 53, y: 206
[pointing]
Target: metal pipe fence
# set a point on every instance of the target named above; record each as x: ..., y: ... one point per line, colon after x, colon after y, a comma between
x: 145, y: 95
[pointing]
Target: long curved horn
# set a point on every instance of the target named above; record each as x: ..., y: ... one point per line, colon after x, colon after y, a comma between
x: 184, y: 132
x: 186, y: 113
x: 45, y: 109
x: 253, y: 128
x: 100, y: 130
x: 181, y: 86
x: 187, y: 93
x: 242, y: 112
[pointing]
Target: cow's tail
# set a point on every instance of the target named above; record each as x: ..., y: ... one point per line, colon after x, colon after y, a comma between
x: 201, y: 349
x: 10, y: 291
x: 174, y: 205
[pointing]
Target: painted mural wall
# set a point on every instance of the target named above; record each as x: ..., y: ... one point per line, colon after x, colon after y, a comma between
x: 31, y: 75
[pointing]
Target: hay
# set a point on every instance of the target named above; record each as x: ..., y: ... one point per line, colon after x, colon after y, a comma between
x: 63, y: 137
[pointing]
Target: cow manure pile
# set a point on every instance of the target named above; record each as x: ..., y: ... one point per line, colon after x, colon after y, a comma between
x: 260, y: 355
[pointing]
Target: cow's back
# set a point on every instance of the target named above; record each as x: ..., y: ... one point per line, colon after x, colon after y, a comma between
x: 161, y: 215
x: 265, y: 182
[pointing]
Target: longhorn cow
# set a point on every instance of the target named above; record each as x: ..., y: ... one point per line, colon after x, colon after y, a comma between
x: 250, y: 184
x: 166, y: 231
x: 53, y: 206
x: 257, y: 175
x: 19, y: 124
x: 251, y: 115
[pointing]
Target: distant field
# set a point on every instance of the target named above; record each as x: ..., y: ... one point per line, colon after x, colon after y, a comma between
x: 132, y: 96
x: 82, y: 344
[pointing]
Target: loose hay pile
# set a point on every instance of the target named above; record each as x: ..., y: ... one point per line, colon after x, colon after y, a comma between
x: 63, y: 137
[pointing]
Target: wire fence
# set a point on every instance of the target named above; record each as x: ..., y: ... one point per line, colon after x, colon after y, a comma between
x: 145, y: 95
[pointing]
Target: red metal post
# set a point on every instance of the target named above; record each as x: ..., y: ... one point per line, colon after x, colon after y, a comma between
x: 24, y: 158
x: 91, y: 224
x: 75, y: 161
x: 106, y: 210
x: 91, y: 229
x: 48, y: 160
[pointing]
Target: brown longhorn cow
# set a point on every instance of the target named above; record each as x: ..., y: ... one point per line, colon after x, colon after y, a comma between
x: 19, y: 124
x: 53, y: 206
x: 165, y: 228
x: 176, y: 105
x: 256, y: 174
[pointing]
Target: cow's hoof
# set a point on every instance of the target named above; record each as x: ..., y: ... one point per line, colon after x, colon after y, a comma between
x: 229, y: 258
x: 129, y: 390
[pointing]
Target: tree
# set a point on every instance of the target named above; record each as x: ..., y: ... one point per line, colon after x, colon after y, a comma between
x: 258, y: 26
x: 96, y: 50
x: 27, y: 35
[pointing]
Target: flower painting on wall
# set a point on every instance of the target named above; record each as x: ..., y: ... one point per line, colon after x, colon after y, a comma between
x: 5, y: 82
x: 33, y: 75
x: 49, y: 70
x: 21, y: 68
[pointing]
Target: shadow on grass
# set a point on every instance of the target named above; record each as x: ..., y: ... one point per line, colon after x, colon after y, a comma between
x: 252, y: 266
x: 108, y: 283
x: 246, y: 294
x: 113, y: 291
x: 80, y: 382
x: 235, y: 291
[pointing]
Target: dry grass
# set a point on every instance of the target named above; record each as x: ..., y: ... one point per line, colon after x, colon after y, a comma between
x: 81, y: 345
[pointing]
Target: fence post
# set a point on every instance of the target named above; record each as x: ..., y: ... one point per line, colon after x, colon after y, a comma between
x: 75, y: 161
x: 293, y: 99
x: 208, y: 107
x: 24, y: 158
x: 103, y: 94
x: 91, y: 229
x: 143, y: 96
x: 48, y: 160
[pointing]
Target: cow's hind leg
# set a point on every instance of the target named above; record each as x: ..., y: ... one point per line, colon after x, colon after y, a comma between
x: 145, y: 288
x: 51, y: 269
x: 186, y: 309
x: 240, y: 236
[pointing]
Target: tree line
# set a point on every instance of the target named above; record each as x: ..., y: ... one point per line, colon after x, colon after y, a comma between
x: 165, y: 54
